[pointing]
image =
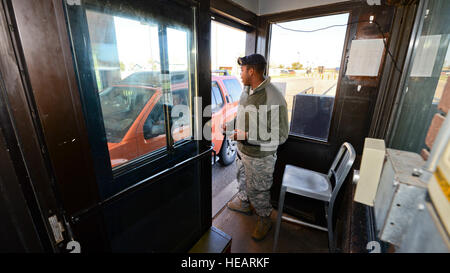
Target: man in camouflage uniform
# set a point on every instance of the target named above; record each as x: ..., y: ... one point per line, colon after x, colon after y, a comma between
x: 261, y: 125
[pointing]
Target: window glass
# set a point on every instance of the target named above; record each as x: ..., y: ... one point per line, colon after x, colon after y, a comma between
x: 178, y: 49
x: 234, y: 88
x: 121, y: 47
x: 217, y: 99
x: 227, y: 45
x: 305, y: 59
x: 142, y: 70
x: 180, y: 106
x: 181, y: 119
x: 154, y: 124
x: 427, y: 76
x: 213, y: 101
x: 311, y: 116
x: 120, y: 107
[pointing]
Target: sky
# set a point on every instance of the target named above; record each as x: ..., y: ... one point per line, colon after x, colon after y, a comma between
x: 317, y: 48
x: 227, y: 44
x: 139, y: 44
x: 321, y: 48
x: 136, y: 43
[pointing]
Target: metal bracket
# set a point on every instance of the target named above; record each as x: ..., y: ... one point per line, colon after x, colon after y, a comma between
x: 57, y: 228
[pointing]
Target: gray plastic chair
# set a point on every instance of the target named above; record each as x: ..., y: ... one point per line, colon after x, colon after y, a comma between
x: 318, y: 186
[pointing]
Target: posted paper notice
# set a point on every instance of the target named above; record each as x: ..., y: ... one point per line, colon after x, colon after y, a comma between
x: 425, y: 58
x: 365, y: 57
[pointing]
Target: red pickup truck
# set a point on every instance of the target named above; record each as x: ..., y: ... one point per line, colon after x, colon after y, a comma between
x: 134, y: 117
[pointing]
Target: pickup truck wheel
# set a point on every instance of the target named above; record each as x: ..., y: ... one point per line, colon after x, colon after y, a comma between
x: 228, y: 152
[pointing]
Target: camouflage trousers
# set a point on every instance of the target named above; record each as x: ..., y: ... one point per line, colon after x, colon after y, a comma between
x: 255, y: 178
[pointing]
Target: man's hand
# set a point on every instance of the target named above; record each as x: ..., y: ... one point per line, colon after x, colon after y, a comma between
x: 239, y: 135
x: 224, y: 128
x: 228, y: 131
x: 225, y: 132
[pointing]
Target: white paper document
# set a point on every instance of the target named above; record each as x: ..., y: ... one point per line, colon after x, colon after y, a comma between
x: 425, y: 58
x: 365, y: 57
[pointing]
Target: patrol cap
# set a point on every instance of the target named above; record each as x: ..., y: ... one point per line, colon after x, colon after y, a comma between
x: 252, y: 60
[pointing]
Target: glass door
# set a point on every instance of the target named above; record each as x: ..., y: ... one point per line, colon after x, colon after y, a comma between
x: 136, y: 64
x: 111, y: 85
x: 426, y: 77
x: 136, y: 68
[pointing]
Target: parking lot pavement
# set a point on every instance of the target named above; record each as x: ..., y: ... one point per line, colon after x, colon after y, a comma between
x: 224, y: 185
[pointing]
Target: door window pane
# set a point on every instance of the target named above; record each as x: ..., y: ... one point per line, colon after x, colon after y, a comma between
x: 126, y: 63
x: 181, y: 119
x: 121, y: 47
x: 304, y: 64
x: 120, y: 107
x: 143, y: 69
x: 178, y: 49
x: 154, y: 124
x: 178, y: 55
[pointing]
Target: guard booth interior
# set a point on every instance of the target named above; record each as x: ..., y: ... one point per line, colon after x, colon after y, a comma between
x: 58, y: 170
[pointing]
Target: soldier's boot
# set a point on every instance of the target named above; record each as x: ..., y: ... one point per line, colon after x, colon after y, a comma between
x: 263, y: 226
x: 240, y: 206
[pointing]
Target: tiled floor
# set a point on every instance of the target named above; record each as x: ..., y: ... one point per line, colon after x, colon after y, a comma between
x: 293, y: 238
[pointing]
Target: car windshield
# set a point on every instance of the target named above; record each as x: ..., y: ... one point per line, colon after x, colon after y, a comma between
x: 121, y: 105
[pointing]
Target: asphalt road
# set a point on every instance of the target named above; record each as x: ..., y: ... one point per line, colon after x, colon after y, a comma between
x: 222, y: 177
x: 224, y: 185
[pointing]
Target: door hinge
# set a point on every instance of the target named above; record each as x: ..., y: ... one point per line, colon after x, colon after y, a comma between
x: 57, y: 228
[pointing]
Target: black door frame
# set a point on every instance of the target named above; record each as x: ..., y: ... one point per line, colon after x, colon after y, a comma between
x: 57, y: 157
